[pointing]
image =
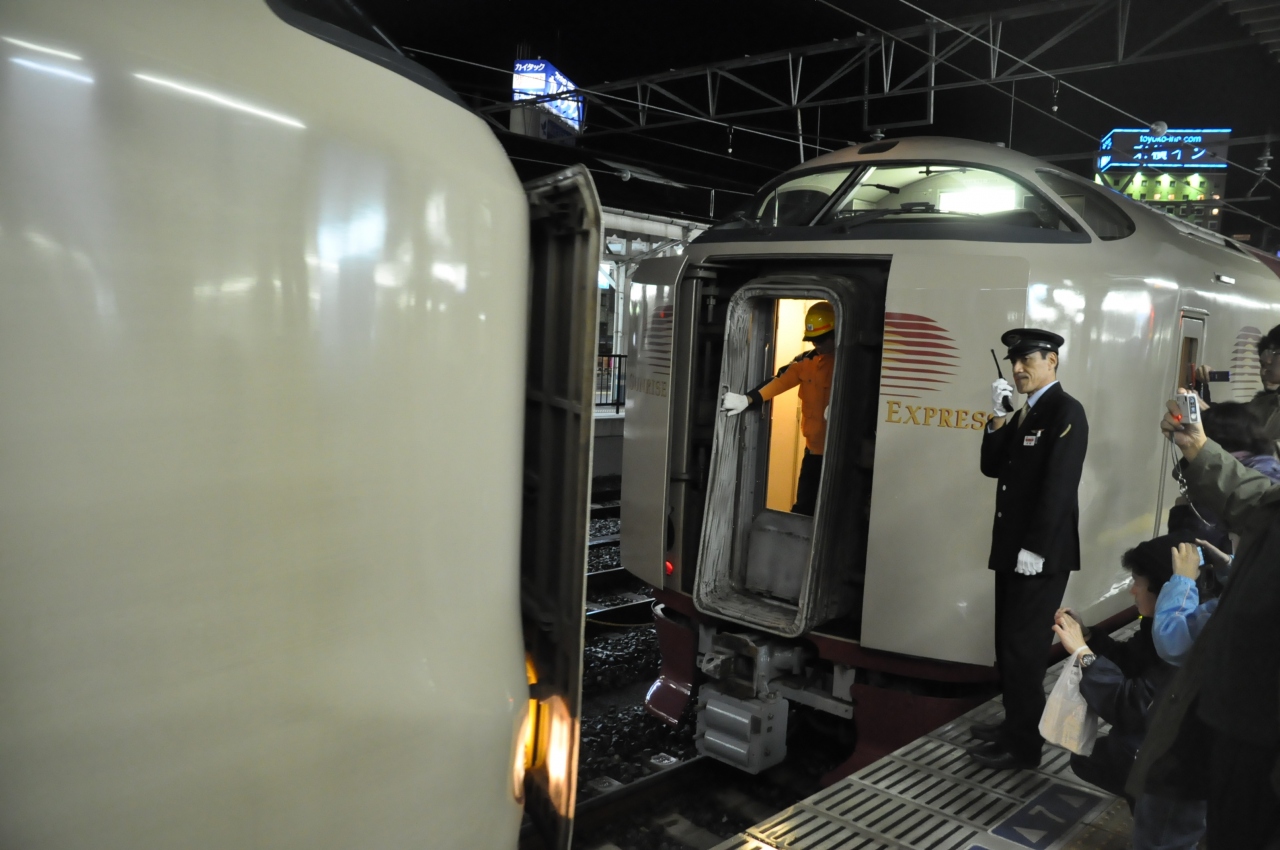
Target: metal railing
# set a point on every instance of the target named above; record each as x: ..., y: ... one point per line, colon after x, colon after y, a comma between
x: 611, y: 381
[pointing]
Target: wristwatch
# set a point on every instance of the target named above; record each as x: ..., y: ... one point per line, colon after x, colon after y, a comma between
x: 1087, y: 659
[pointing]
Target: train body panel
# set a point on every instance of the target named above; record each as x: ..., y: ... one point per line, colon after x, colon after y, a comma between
x: 1126, y: 306
x: 263, y: 320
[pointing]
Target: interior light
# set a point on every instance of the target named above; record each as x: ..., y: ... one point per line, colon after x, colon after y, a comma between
x: 40, y: 48
x: 53, y: 70
x: 670, y: 567
x: 222, y: 100
x: 1215, y: 211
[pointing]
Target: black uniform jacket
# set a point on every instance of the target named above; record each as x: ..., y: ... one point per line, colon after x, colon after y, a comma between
x: 1038, y: 466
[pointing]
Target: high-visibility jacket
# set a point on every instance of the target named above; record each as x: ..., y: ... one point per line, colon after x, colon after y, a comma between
x: 811, y: 372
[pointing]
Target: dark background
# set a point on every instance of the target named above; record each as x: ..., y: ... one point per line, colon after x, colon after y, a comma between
x: 596, y: 42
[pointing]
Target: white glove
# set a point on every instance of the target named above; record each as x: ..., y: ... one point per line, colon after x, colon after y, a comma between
x: 1029, y: 563
x: 1001, y: 390
x: 734, y: 403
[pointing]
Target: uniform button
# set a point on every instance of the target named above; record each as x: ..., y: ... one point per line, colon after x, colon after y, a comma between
x: 1003, y: 487
x: 998, y: 515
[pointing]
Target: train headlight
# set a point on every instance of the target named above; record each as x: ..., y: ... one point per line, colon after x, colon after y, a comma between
x: 521, y: 749
x: 560, y: 736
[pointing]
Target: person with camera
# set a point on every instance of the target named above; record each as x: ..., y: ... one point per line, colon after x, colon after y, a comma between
x: 1036, y: 454
x: 1120, y: 682
x: 1214, y: 734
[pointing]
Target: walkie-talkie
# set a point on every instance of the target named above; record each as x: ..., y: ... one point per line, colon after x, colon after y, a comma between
x: 1008, y: 405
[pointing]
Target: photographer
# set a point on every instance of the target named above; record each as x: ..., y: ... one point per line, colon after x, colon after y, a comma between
x: 1121, y: 678
x: 1215, y: 732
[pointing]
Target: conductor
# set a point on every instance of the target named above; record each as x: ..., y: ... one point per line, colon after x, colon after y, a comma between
x: 1036, y: 454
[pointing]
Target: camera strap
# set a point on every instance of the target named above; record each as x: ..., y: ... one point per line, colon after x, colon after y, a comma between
x: 1183, y: 489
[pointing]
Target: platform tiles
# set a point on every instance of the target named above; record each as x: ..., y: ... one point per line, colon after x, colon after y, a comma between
x: 929, y: 795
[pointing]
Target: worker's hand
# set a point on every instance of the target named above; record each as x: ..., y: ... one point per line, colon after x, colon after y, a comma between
x: 1213, y: 555
x: 1001, y: 390
x: 1186, y: 560
x: 734, y: 403
x: 826, y: 413
x: 1029, y: 563
x: 1188, y: 436
x: 1068, y: 631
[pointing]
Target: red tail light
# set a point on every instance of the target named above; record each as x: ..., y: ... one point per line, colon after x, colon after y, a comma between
x: 671, y: 568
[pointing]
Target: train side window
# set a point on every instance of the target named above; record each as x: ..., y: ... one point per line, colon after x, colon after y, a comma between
x: 797, y: 201
x: 1103, y: 215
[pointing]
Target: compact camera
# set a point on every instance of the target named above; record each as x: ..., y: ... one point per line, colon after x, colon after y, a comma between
x: 1189, y: 405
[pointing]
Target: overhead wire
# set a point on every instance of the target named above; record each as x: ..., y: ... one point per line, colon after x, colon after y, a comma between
x: 704, y: 151
x: 702, y: 118
x: 993, y: 85
x: 1057, y: 80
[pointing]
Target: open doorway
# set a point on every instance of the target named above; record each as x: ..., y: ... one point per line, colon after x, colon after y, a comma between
x: 786, y: 441
x: 758, y: 561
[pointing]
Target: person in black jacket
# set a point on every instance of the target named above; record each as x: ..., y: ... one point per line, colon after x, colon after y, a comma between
x: 1036, y: 454
x: 1121, y: 678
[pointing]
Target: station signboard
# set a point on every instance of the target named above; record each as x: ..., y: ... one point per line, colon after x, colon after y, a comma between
x: 534, y: 78
x: 1174, y: 150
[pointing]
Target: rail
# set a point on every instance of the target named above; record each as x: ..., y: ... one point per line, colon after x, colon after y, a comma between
x: 611, y: 381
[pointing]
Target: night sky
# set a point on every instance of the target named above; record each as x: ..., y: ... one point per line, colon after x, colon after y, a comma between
x: 595, y: 42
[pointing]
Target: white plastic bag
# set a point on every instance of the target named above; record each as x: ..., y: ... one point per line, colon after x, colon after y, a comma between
x: 1067, y: 720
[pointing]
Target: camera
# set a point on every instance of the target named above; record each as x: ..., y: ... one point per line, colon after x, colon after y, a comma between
x: 1189, y: 405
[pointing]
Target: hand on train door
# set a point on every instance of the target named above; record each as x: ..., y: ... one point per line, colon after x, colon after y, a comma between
x: 734, y: 403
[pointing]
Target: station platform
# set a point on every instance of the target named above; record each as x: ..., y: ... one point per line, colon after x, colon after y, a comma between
x: 929, y: 795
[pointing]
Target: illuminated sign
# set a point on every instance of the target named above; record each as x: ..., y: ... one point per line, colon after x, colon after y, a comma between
x: 535, y: 78
x: 1195, y: 150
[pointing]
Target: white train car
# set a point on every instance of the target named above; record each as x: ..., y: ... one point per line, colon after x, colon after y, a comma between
x: 929, y: 248
x: 286, y: 354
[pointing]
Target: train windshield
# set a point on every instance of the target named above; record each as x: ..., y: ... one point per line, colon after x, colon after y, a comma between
x: 906, y: 192
x: 926, y: 191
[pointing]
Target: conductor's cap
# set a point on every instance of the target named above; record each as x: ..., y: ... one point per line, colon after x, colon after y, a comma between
x: 1022, y: 341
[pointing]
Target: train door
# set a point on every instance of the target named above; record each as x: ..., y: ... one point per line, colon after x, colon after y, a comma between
x: 564, y: 222
x: 1190, y: 352
x: 648, y: 528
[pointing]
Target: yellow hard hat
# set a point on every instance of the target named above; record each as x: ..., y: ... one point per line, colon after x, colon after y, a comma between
x: 820, y: 319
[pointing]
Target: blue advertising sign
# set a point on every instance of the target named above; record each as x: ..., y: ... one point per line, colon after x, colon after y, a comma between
x: 538, y: 78
x: 1186, y: 150
x: 1048, y: 816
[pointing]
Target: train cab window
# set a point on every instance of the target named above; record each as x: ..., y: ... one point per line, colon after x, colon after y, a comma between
x: 939, y: 191
x: 1103, y: 215
x: 798, y: 200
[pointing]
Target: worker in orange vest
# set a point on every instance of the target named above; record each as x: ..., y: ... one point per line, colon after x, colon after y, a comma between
x: 811, y: 372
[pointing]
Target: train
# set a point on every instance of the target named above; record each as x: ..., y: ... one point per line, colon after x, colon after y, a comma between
x: 877, y: 612
x: 295, y: 431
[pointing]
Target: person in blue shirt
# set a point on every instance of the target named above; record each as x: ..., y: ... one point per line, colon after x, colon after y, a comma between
x: 1180, y: 614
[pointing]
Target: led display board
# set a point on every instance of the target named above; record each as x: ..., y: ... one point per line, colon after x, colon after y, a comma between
x: 538, y: 78
x: 1193, y: 150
